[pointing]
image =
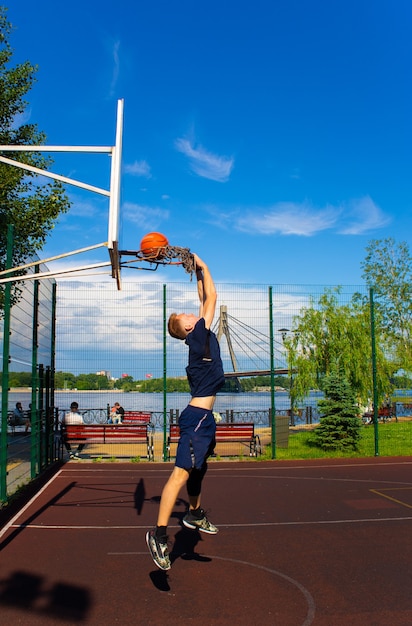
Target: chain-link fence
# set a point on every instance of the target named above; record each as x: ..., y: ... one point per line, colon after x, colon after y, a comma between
x: 113, y: 346
x: 27, y: 429
x: 122, y: 335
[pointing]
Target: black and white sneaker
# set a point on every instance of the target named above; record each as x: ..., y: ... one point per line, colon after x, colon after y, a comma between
x: 202, y: 523
x: 158, y: 551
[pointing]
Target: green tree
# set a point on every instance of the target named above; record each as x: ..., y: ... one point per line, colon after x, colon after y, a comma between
x: 327, y: 335
x: 340, y: 426
x: 92, y: 381
x: 388, y: 269
x: 20, y: 379
x: 178, y: 385
x: 27, y: 202
x: 402, y: 382
x: 126, y: 383
x: 64, y: 380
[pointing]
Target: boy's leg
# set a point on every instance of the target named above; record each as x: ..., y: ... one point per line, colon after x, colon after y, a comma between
x: 176, y: 481
x: 156, y: 539
x: 194, y: 486
x: 195, y: 518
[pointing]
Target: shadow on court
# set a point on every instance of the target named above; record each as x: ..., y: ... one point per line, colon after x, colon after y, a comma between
x: 324, y: 543
x: 43, y: 599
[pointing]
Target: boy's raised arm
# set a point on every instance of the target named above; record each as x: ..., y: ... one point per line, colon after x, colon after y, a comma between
x: 206, y: 290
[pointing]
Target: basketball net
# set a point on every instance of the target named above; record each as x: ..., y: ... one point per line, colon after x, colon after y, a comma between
x: 184, y: 256
x: 167, y: 255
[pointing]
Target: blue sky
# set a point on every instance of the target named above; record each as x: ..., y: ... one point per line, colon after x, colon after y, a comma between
x: 271, y: 137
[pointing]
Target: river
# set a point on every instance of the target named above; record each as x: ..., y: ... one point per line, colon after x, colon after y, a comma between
x: 135, y: 401
x: 153, y: 402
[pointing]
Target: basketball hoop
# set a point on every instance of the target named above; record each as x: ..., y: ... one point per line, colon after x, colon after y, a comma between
x: 166, y: 255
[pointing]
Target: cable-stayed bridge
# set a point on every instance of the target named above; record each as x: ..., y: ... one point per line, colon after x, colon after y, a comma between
x: 277, y: 371
x: 249, y: 344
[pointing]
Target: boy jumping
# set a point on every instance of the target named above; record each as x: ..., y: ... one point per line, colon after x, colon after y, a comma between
x: 197, y: 424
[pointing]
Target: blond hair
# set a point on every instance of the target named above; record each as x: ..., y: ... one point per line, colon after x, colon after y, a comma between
x: 174, y: 327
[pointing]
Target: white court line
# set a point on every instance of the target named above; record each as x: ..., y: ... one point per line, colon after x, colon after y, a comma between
x: 369, y: 520
x: 310, y: 616
x: 324, y: 479
x: 61, y: 472
x: 11, y: 524
x: 307, y: 595
x: 214, y: 466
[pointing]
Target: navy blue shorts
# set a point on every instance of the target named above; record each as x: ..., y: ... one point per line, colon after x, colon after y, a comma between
x: 197, y: 437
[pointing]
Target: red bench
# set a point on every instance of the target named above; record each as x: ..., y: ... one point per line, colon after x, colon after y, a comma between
x: 225, y: 433
x: 111, y: 433
x: 137, y: 417
x: 385, y: 413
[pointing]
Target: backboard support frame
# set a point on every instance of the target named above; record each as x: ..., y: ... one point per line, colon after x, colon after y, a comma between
x: 113, y: 194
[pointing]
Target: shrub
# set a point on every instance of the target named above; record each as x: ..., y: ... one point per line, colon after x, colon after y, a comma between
x: 340, y: 426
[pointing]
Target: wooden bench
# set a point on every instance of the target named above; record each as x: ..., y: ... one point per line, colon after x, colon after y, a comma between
x: 225, y: 433
x: 137, y: 417
x: 385, y: 413
x: 110, y: 433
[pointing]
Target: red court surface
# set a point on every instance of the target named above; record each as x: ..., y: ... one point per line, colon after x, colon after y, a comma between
x: 300, y: 543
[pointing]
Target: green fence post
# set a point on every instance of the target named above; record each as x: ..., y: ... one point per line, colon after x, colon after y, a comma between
x: 35, y: 426
x: 51, y: 408
x: 272, y: 377
x: 374, y: 383
x: 164, y: 378
x: 5, y: 373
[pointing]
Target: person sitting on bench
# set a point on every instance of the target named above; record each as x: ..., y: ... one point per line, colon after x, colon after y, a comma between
x: 73, y: 417
x: 116, y: 414
x: 18, y: 418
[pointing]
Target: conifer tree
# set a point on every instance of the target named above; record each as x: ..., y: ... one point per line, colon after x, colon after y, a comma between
x: 340, y: 426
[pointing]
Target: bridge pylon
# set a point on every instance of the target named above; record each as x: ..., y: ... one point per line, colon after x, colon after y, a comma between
x: 223, y: 329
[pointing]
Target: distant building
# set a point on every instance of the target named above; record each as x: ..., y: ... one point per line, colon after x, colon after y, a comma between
x: 104, y: 373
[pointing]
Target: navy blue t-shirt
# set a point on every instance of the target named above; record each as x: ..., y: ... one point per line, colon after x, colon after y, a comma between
x: 205, y: 369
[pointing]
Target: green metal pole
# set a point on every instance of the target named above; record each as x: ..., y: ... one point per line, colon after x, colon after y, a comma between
x: 272, y: 377
x: 35, y: 426
x: 374, y: 382
x: 164, y: 377
x: 5, y: 373
x: 51, y: 408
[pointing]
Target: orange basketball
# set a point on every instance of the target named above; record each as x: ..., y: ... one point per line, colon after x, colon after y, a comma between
x: 153, y: 244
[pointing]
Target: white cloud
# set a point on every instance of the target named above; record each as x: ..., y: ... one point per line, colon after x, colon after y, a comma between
x: 363, y: 216
x: 20, y: 119
x: 83, y: 208
x: 353, y: 217
x: 288, y: 218
x: 138, y: 168
x: 93, y: 317
x: 204, y: 163
x: 148, y: 218
x: 116, y: 67
x: 295, y: 174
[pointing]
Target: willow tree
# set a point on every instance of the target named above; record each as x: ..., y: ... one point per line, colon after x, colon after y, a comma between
x: 388, y: 269
x: 27, y: 202
x: 328, y: 336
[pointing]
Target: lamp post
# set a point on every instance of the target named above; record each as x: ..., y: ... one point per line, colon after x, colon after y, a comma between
x: 284, y: 333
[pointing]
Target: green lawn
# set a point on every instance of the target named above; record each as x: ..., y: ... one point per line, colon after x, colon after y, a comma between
x: 394, y: 439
